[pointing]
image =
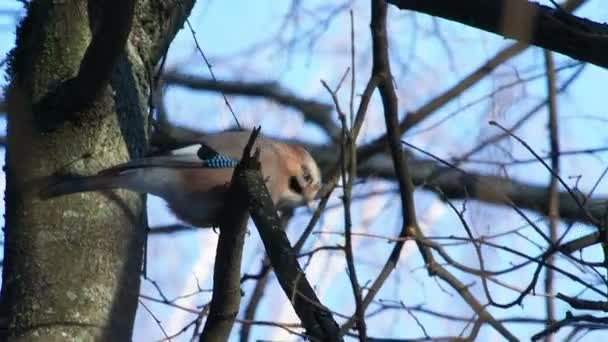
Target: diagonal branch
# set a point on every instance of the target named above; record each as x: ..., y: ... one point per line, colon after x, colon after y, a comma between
x: 316, y: 318
x: 227, y: 270
x: 529, y: 22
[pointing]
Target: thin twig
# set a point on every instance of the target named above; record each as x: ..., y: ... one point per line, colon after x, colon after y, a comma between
x: 348, y: 153
x: 210, y: 67
x: 553, y: 186
x: 158, y: 322
x: 551, y: 171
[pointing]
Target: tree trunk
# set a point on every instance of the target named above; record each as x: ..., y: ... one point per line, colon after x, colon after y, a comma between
x: 72, y: 264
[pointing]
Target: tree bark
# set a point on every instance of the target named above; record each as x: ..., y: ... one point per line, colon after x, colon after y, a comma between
x: 72, y: 264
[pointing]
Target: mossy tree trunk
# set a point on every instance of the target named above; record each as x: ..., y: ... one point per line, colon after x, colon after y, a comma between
x: 72, y: 265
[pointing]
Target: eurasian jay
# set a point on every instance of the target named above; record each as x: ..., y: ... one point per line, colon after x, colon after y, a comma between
x: 196, y: 194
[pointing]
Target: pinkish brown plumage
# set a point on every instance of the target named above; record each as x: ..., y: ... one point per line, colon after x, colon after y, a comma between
x: 196, y: 195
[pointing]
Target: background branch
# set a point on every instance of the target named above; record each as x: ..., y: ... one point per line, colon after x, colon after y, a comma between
x: 553, y: 204
x: 549, y: 28
x: 316, y: 112
x: 432, y: 175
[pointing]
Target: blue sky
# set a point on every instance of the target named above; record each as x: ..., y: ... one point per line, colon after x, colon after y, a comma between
x: 422, y: 68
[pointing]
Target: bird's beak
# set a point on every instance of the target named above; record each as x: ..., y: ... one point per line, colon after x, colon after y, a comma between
x: 312, y: 206
x: 310, y: 194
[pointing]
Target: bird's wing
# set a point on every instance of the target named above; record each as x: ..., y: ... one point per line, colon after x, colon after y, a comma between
x: 219, y: 150
x: 158, y: 161
x: 232, y: 144
x: 194, y: 156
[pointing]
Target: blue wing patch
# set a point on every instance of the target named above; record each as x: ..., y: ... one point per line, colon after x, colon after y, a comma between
x: 220, y: 162
x: 212, y: 159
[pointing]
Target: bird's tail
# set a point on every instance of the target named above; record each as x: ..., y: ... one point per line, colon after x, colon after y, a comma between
x: 65, y: 185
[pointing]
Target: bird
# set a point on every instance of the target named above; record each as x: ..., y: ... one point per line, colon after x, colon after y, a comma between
x: 194, y: 180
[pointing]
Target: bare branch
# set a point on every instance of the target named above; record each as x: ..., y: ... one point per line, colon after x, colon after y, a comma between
x: 580, y: 243
x: 227, y: 270
x: 584, y: 304
x: 313, y: 111
x: 569, y: 320
x: 260, y: 286
x: 172, y: 229
x: 580, y: 203
x: 455, y: 185
x: 413, y: 118
x: 348, y: 161
x: 553, y: 184
x: 316, y: 319
x: 549, y: 28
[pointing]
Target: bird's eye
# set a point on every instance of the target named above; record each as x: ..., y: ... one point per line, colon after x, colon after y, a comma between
x: 306, y: 175
x: 294, y: 185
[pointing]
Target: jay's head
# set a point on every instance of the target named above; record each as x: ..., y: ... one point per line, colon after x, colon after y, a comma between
x: 304, y: 179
